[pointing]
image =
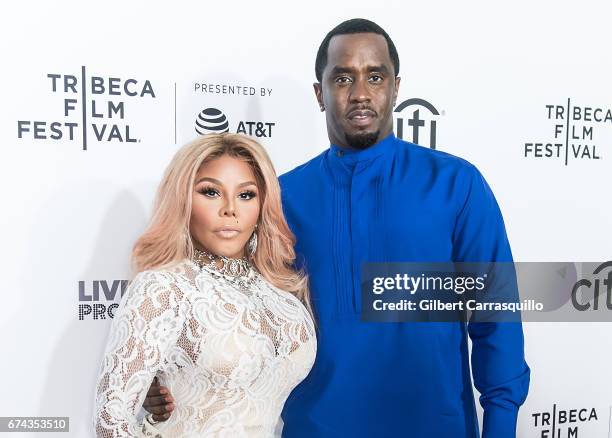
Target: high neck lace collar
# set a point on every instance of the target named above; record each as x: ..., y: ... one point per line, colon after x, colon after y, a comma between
x: 238, y: 271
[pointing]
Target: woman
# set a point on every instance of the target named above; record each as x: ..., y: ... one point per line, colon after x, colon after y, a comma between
x: 216, y: 310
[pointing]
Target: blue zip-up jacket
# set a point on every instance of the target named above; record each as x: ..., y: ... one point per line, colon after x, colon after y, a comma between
x: 398, y: 202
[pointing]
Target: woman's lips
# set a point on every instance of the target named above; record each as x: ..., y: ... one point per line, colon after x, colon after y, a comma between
x: 227, y: 233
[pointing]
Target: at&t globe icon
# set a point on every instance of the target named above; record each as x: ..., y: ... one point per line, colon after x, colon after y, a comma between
x: 211, y: 121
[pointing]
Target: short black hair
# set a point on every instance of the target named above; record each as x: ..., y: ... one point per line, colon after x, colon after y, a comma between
x: 354, y: 25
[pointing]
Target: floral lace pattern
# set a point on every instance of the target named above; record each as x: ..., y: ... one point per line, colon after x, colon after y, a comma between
x: 230, y: 357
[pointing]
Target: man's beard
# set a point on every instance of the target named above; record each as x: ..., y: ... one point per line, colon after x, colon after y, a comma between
x: 362, y: 141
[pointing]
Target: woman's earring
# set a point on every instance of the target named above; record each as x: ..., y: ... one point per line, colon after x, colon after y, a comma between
x: 252, y: 245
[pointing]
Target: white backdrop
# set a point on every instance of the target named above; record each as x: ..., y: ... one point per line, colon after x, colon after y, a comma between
x: 69, y: 215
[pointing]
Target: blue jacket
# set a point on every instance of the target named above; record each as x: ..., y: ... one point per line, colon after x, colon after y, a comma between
x: 398, y: 202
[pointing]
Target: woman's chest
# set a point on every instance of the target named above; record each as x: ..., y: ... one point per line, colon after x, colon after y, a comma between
x: 236, y: 333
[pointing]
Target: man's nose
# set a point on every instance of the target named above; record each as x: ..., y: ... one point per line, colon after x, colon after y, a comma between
x: 360, y: 91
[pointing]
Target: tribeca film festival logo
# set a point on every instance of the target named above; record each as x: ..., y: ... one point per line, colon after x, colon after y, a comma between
x: 560, y: 423
x: 572, y: 133
x: 214, y: 121
x: 100, y: 117
x: 421, y: 117
x: 99, y: 299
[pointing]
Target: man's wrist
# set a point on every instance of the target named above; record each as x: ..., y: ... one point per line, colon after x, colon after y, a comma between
x: 499, y: 422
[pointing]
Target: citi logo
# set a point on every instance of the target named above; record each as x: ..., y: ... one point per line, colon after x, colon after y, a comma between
x: 421, y: 117
x: 601, y: 285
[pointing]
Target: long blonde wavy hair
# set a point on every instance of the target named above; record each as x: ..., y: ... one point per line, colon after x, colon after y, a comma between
x: 167, y: 240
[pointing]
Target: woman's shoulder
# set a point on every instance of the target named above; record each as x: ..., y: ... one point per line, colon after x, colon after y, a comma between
x: 177, y: 271
x: 176, y: 279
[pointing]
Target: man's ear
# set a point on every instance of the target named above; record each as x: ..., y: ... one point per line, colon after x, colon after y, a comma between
x: 395, y: 93
x: 319, y: 95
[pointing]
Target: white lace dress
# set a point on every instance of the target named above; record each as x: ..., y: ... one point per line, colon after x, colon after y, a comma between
x: 229, y: 356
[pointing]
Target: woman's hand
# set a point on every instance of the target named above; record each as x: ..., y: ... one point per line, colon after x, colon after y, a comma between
x: 159, y: 401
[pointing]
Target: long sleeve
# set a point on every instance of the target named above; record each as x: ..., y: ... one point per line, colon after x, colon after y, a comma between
x: 499, y: 370
x: 146, y: 325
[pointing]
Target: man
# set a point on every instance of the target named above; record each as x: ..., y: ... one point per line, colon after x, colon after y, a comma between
x: 372, y: 197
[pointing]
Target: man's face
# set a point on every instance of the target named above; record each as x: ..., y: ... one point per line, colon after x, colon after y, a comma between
x: 358, y: 90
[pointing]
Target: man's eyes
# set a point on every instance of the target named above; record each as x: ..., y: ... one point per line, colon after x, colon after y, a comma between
x: 347, y: 79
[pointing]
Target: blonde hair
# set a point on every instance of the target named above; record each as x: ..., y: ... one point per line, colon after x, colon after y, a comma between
x: 167, y: 240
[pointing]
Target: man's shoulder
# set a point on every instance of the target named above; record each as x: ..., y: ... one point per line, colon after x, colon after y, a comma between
x: 297, y: 174
x: 436, y: 158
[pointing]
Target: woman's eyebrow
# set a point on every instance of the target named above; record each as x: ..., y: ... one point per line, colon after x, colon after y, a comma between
x: 212, y: 180
x: 219, y: 183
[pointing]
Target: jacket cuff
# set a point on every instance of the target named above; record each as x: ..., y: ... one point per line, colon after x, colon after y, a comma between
x: 499, y: 422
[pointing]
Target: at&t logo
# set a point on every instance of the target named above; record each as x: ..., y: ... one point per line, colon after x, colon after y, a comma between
x: 214, y: 121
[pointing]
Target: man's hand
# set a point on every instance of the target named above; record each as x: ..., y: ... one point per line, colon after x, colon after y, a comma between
x: 159, y: 401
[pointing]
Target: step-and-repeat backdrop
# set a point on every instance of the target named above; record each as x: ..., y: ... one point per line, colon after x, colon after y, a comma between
x: 97, y: 97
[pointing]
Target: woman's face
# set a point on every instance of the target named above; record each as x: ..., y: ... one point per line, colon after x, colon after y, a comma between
x: 225, y: 206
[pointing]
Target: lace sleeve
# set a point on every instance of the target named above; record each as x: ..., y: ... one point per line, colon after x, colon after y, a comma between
x: 145, y: 327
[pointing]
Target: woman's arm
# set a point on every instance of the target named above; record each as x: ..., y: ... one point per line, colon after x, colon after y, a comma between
x: 147, y: 324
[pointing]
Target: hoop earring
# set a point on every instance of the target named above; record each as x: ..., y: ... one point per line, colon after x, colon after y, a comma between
x: 252, y: 245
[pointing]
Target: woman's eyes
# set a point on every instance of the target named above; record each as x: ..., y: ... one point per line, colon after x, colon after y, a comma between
x: 247, y: 195
x: 213, y: 193
x: 209, y: 191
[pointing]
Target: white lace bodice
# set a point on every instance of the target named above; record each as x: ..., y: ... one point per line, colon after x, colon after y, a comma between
x: 230, y: 357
